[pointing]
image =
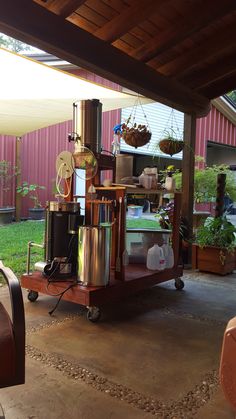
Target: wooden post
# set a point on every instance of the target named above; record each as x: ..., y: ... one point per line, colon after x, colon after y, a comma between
x: 188, y: 172
x: 18, y: 179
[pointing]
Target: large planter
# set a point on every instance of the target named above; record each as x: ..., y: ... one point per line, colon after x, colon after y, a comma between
x: 36, y: 213
x: 213, y: 259
x: 6, y: 215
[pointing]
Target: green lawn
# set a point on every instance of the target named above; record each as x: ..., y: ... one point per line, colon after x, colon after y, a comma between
x: 13, y: 244
x: 142, y: 223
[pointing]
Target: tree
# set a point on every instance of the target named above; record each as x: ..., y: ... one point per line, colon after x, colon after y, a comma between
x: 232, y: 95
x: 13, y: 44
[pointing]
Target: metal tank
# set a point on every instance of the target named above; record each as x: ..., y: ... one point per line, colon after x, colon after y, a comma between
x: 94, y: 250
x: 88, y: 124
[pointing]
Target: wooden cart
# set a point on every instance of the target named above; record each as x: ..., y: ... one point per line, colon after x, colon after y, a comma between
x: 124, y: 281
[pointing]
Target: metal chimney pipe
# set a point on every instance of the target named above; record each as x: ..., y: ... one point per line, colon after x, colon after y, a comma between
x: 89, y: 124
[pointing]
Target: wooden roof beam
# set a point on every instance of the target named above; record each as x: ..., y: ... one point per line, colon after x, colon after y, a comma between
x: 212, y: 47
x: 128, y: 18
x: 220, y: 87
x: 183, y: 28
x: 215, y: 72
x: 37, y: 26
x: 62, y: 8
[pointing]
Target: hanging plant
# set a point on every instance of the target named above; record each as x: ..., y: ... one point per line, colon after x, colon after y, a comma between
x: 136, y: 135
x: 171, y: 141
x: 169, y: 144
x: 133, y: 133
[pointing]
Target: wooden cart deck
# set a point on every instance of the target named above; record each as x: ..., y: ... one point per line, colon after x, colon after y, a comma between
x: 137, y: 278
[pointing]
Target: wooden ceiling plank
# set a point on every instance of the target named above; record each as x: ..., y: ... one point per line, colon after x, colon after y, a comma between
x: 220, y: 87
x: 128, y: 18
x: 192, y: 22
x: 64, y: 8
x: 37, y: 26
x: 216, y: 71
x: 85, y: 24
x: 212, y: 47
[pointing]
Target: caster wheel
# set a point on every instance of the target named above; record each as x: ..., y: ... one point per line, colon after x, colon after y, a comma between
x: 32, y: 296
x: 179, y: 284
x: 93, y: 314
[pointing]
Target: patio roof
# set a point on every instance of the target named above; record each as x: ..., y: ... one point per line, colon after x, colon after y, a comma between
x: 181, y: 53
x: 34, y: 96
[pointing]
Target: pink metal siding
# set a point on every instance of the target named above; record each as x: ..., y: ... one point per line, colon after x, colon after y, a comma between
x: 214, y: 127
x: 8, y: 153
x: 39, y: 151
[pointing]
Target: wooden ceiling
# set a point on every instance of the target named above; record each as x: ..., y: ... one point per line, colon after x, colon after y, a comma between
x: 179, y: 52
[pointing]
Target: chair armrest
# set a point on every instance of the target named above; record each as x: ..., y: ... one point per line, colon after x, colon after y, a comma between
x: 18, y: 320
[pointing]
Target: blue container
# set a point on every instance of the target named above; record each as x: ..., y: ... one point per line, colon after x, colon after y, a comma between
x: 135, y: 211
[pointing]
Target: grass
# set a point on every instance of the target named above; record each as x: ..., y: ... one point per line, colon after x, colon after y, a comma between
x: 142, y: 223
x: 13, y: 244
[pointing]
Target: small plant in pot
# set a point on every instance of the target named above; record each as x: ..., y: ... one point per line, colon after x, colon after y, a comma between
x: 32, y: 190
x: 169, y: 143
x: 214, y: 248
x: 8, y: 173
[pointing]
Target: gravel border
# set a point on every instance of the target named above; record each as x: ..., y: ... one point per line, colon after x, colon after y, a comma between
x: 185, y: 408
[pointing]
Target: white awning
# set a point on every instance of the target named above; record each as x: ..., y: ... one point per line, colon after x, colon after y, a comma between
x: 33, y: 95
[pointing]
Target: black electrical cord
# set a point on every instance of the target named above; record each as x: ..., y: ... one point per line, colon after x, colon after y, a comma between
x: 61, y: 295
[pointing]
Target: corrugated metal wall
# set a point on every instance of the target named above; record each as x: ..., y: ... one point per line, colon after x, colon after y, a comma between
x: 39, y: 150
x: 214, y: 127
x: 8, y: 153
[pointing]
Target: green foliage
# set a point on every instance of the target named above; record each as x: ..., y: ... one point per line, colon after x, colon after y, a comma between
x: 8, y: 172
x: 216, y: 232
x: 205, y: 182
x: 31, y: 190
x: 232, y: 95
x: 13, y: 244
x: 171, y: 134
x: 13, y: 44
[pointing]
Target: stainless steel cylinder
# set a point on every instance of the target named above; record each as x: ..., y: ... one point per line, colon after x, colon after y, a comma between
x: 65, y: 206
x: 94, y: 255
x: 89, y: 124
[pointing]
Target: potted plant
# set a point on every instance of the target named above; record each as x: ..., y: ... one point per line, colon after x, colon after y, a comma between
x: 169, y: 143
x: 8, y: 173
x: 135, y: 135
x: 214, y: 247
x: 37, y: 212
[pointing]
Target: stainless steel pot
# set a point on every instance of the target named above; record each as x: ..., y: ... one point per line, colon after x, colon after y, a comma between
x: 94, y: 255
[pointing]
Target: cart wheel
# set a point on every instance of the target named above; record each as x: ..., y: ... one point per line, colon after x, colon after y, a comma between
x: 32, y: 296
x: 93, y: 314
x: 179, y: 284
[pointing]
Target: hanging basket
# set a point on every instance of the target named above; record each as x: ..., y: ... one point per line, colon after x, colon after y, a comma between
x: 171, y: 146
x: 136, y: 135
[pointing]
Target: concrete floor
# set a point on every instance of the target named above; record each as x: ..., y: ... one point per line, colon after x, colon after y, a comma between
x: 154, y: 355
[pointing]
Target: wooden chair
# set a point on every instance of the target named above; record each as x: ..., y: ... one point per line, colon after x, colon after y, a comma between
x: 12, y: 334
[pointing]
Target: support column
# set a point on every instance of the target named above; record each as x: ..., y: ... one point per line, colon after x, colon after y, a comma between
x: 188, y: 172
x: 18, y: 178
